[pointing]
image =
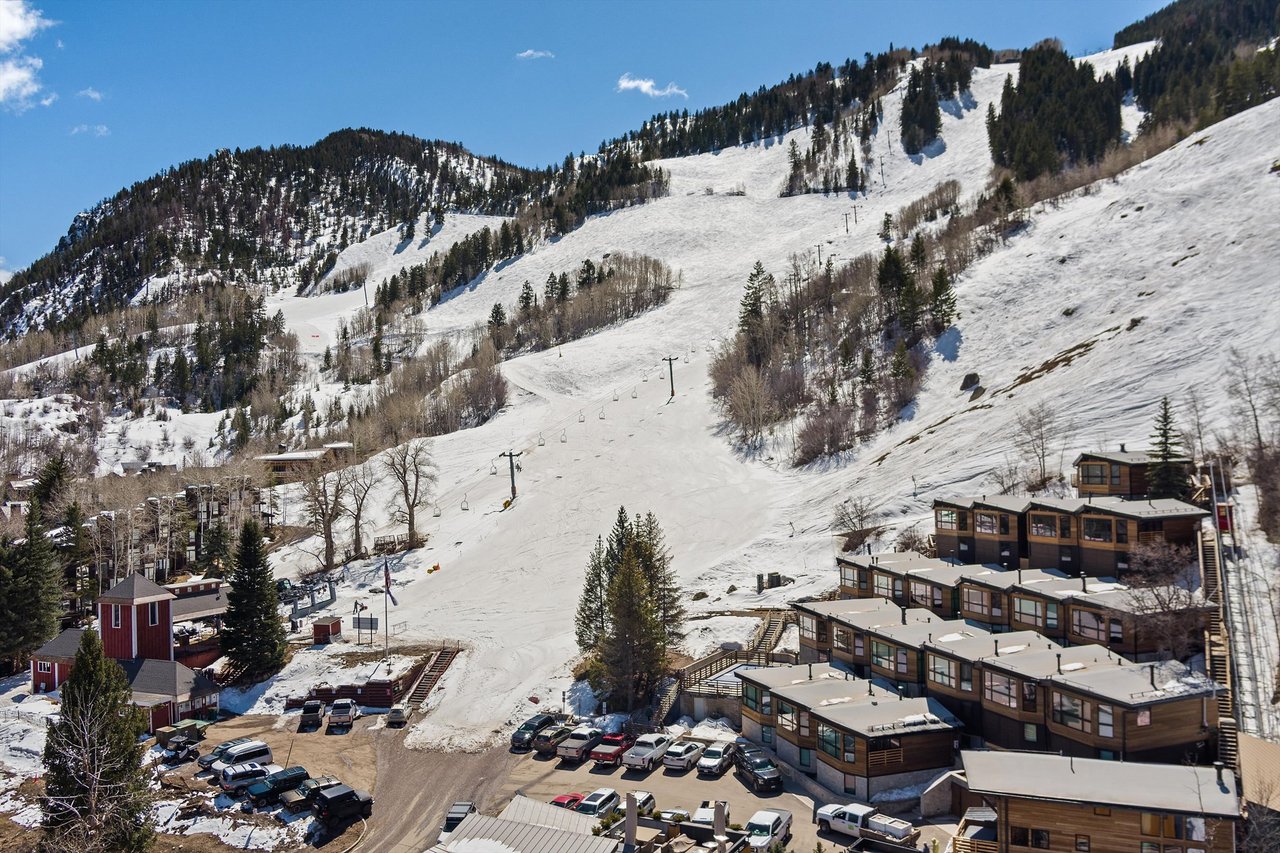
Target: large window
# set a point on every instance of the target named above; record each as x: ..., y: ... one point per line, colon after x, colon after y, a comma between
x: 829, y: 740
x: 966, y: 677
x: 849, y: 577
x: 1088, y: 624
x: 926, y: 594
x: 1064, y: 526
x: 1028, y: 611
x: 945, y: 519
x: 1004, y: 524
x: 751, y: 696
x: 786, y: 716
x: 985, y: 522
x: 1093, y: 475
x: 942, y: 671
x: 1000, y: 689
x: 884, y: 585
x: 1044, y: 525
x: 881, y: 655
x: 840, y: 639
x: 1116, y: 631
x: 859, y: 645
x: 1071, y: 712
x: 1051, y: 614
x: 1096, y: 529
x: 1122, y: 531
x: 1106, y: 721
x: 975, y: 600
x: 813, y: 629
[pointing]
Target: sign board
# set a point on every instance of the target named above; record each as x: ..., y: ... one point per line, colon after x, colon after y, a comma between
x: 364, y: 623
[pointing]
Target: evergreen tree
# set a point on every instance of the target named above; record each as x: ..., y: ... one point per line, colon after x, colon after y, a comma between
x: 593, y: 607
x: 215, y: 550
x: 35, y: 593
x: 853, y: 175
x: 52, y: 481
x: 664, y: 589
x: 96, y: 798
x: 942, y: 305
x: 1166, y: 477
x: 631, y: 651
x: 886, y: 228
x: 253, y: 633
x: 751, y: 308
x: 619, y: 538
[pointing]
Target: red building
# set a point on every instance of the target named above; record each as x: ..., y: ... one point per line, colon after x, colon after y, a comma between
x: 135, y: 621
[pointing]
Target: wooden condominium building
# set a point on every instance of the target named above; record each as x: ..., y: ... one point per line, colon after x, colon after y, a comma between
x: 1090, y: 535
x: 288, y: 466
x: 908, y: 579
x: 1062, y: 803
x: 848, y: 733
x: 1122, y: 473
x: 822, y: 634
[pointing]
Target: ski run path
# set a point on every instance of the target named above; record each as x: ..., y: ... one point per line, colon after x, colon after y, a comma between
x: 1153, y: 277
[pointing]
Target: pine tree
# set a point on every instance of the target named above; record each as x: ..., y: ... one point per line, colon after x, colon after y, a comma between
x: 96, y: 798
x: 253, y: 633
x: 52, y: 481
x: 619, y: 538
x: 1166, y: 478
x: 593, y: 609
x: 215, y: 550
x: 664, y: 588
x: 35, y: 594
x: 942, y: 305
x: 886, y: 228
x: 631, y: 651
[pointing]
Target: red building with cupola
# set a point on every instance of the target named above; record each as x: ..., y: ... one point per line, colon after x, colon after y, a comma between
x: 135, y: 622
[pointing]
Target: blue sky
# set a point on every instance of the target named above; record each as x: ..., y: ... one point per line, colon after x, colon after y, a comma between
x: 97, y: 95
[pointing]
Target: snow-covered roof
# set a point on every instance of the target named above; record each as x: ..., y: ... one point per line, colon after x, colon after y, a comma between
x: 985, y: 646
x: 880, y: 716
x: 293, y: 456
x: 1139, y: 684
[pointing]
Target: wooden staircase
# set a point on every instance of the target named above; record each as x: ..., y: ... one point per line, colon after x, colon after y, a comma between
x: 666, y: 701
x: 775, y: 623
x: 1217, y: 650
x: 431, y: 675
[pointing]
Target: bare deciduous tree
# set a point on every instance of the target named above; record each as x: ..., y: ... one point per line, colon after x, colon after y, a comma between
x: 361, y: 480
x: 1039, y: 431
x: 410, y: 465
x: 324, y: 493
x: 1164, y: 580
x: 855, y: 519
x: 750, y: 407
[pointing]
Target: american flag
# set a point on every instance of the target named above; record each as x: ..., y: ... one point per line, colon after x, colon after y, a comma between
x: 386, y: 570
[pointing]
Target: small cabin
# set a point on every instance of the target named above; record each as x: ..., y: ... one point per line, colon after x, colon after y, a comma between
x: 1122, y: 473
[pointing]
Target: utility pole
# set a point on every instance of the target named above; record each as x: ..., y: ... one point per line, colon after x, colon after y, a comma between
x: 671, y: 374
x: 855, y: 216
x: 511, y: 458
x: 819, y: 254
x: 846, y: 224
x: 881, y: 171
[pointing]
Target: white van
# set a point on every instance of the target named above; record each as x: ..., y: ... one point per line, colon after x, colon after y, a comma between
x: 243, y: 753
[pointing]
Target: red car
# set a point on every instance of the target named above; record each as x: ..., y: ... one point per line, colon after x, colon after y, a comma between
x: 568, y: 801
x: 610, y: 749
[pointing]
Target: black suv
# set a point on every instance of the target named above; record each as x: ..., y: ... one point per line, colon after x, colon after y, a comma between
x: 756, y: 768
x: 341, y: 803
x: 522, y: 738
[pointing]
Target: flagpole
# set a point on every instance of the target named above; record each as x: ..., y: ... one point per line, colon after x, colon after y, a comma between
x: 386, y: 624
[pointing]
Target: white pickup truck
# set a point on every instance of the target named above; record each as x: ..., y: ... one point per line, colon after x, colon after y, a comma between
x: 578, y: 745
x: 858, y: 821
x: 647, y: 752
x: 768, y: 827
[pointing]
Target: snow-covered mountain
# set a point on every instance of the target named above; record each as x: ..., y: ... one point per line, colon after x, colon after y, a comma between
x: 1108, y: 299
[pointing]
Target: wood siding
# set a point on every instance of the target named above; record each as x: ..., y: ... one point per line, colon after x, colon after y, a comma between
x: 1109, y: 829
x: 155, y: 641
x: 117, y: 643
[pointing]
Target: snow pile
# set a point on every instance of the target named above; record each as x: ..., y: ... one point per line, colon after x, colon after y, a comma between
x: 711, y: 728
x: 243, y: 833
x: 704, y: 636
x: 790, y: 639
x: 23, y: 721
x: 309, y: 667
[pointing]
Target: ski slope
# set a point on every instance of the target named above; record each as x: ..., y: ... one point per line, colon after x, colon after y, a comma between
x: 1145, y: 282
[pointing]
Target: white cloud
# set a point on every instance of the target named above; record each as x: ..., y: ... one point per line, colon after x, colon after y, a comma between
x: 47, y: 100
x: 19, y: 22
x: 90, y: 93
x: 646, y: 85
x: 535, y: 54
x: 59, y: 44
x: 95, y: 129
x: 19, y: 73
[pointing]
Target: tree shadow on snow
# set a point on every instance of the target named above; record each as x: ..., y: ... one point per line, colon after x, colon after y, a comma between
x: 936, y: 148
x: 956, y: 107
x: 948, y: 344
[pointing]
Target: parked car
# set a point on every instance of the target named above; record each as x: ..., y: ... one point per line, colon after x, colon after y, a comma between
x: 645, y: 803
x: 768, y: 827
x: 457, y: 814
x: 578, y: 745
x: 715, y: 759
x: 522, y: 738
x: 548, y: 740
x: 647, y: 752
x: 706, y: 812
x: 600, y: 803
x: 312, y: 714
x: 568, y: 801
x: 859, y: 821
x: 683, y: 754
x: 343, y: 712
x: 180, y: 750
x: 205, y: 762
x: 268, y: 789
x: 341, y: 803
x: 243, y: 753
x: 675, y: 815
x: 237, y: 777
x: 301, y: 797
x: 756, y: 768
x: 611, y: 747
x: 398, y: 715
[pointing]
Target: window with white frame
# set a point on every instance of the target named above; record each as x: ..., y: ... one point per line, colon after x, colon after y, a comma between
x: 44, y: 666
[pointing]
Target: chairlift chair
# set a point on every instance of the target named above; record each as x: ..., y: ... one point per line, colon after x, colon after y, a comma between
x: 542, y: 442
x: 564, y: 436
x: 465, y: 506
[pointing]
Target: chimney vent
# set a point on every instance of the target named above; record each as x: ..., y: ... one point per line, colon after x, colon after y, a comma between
x: 1122, y: 447
x: 904, y: 614
x: 1059, y: 656
x: 1152, y: 670
x: 811, y: 672
x: 1219, y: 766
x: 1084, y: 582
x: 997, y: 643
